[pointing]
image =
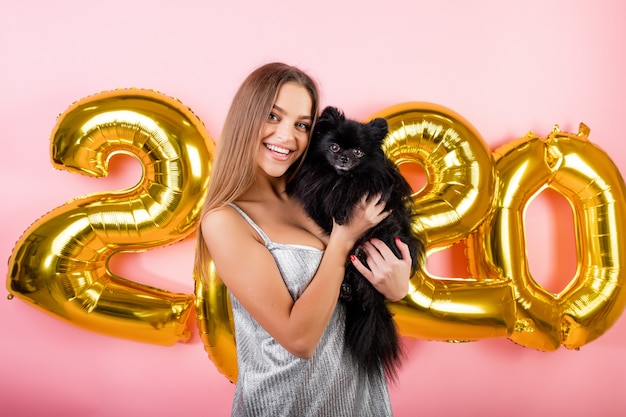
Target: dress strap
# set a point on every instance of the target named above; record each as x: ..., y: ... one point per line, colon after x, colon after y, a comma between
x: 251, y: 222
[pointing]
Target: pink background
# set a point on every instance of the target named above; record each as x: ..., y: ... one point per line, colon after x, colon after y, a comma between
x: 507, y: 67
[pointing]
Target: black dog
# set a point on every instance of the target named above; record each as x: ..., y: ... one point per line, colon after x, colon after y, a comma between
x: 345, y: 161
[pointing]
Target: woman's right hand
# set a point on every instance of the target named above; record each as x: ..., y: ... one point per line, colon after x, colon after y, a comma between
x: 366, y: 214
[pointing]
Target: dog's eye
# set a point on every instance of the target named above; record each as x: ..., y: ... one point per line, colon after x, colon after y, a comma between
x: 334, y: 148
x: 358, y: 152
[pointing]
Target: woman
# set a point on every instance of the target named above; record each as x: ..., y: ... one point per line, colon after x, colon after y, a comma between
x: 282, y: 272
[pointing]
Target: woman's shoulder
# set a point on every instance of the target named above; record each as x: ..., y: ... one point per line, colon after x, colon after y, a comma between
x: 220, y: 218
x: 226, y: 222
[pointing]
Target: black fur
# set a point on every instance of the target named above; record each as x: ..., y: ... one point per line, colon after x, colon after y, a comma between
x: 345, y: 161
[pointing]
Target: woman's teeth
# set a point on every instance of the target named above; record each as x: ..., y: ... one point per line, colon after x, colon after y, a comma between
x: 277, y: 149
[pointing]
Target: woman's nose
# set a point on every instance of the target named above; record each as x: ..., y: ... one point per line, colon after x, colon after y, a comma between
x: 285, y: 132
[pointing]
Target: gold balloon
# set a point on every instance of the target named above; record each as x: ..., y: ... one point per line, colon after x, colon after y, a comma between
x: 458, y: 164
x: 215, y: 321
x: 456, y: 200
x: 60, y: 264
x: 472, y: 195
x: 588, y: 179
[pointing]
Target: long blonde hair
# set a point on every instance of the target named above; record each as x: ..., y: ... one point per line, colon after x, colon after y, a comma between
x: 234, y: 165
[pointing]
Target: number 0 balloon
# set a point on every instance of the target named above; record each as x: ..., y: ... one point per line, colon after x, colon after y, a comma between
x: 588, y: 179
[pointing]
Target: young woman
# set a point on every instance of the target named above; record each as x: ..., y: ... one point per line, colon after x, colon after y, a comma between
x: 282, y: 272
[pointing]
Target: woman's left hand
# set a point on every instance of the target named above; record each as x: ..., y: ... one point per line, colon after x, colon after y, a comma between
x: 388, y: 274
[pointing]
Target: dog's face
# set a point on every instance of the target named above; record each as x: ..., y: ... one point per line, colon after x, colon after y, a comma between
x: 348, y: 145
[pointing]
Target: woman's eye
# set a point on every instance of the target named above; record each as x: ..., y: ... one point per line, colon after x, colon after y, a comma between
x: 334, y: 148
x: 358, y: 152
x: 303, y: 126
x: 273, y: 117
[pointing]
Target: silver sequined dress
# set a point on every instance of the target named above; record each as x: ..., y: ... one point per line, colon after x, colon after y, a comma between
x: 273, y: 382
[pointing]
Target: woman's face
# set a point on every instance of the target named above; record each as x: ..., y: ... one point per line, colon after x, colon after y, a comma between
x: 285, y: 134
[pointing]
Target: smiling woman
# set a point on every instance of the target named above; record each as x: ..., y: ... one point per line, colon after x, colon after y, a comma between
x: 289, y: 328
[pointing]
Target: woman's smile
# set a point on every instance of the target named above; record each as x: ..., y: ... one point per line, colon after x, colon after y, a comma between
x: 277, y: 151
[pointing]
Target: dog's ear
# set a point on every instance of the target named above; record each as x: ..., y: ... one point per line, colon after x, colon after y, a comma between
x: 332, y: 115
x: 379, y: 128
